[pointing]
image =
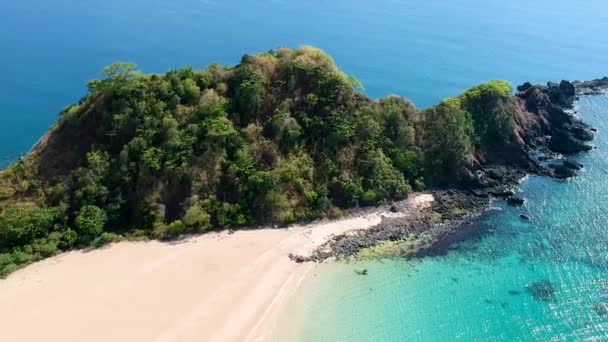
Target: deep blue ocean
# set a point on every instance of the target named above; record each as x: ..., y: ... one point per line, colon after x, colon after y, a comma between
x: 423, y: 50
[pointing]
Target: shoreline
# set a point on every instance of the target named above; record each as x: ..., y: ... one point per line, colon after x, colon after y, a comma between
x: 187, y: 290
x: 230, y: 285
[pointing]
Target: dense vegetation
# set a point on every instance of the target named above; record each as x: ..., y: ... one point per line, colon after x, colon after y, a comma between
x: 284, y: 136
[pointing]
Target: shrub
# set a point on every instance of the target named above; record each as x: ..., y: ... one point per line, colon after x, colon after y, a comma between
x: 105, y: 238
x: 89, y: 223
x: 369, y: 197
x: 21, y: 224
x: 160, y: 230
x: 176, y: 228
x: 353, y: 191
x: 382, y: 177
x: 196, y: 217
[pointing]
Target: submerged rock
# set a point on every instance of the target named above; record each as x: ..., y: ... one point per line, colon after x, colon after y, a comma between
x: 515, y: 201
x: 542, y: 291
x: 361, y: 272
x: 601, y: 309
x: 524, y: 217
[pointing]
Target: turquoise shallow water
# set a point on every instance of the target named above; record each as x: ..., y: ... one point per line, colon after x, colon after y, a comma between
x: 477, y: 292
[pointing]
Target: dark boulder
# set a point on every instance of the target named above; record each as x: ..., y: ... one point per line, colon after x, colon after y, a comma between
x: 524, y: 87
x: 564, y: 142
x: 394, y: 209
x: 561, y: 94
x: 515, y: 201
x: 524, y: 217
x: 567, y: 89
x: 535, y: 99
x: 581, y: 132
x: 561, y: 171
x: 571, y: 164
x: 559, y: 118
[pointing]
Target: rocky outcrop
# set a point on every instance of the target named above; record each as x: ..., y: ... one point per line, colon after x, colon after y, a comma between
x: 565, y: 142
x: 543, y: 123
x: 594, y: 87
x: 496, y: 180
x: 566, y: 169
x: 561, y: 171
x: 548, y: 123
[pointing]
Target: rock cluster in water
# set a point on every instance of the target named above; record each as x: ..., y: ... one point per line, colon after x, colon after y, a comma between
x: 594, y: 87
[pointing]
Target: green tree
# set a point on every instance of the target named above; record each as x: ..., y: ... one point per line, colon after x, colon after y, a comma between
x: 486, y: 103
x: 116, y: 76
x: 249, y: 93
x: 90, y: 222
x: 449, y: 139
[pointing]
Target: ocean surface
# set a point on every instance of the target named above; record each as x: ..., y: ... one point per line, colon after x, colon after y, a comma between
x: 423, y: 50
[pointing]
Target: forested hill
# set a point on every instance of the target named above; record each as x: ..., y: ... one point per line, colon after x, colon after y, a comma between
x: 283, y: 136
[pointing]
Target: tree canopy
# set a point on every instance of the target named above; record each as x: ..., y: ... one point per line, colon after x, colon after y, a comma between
x: 284, y: 136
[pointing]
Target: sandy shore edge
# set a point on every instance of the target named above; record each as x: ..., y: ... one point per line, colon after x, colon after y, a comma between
x: 216, y: 287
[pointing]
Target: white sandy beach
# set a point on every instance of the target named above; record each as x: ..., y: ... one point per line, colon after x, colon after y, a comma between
x: 215, y: 287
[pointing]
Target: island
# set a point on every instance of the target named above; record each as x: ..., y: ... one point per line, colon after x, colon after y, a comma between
x: 285, y: 136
